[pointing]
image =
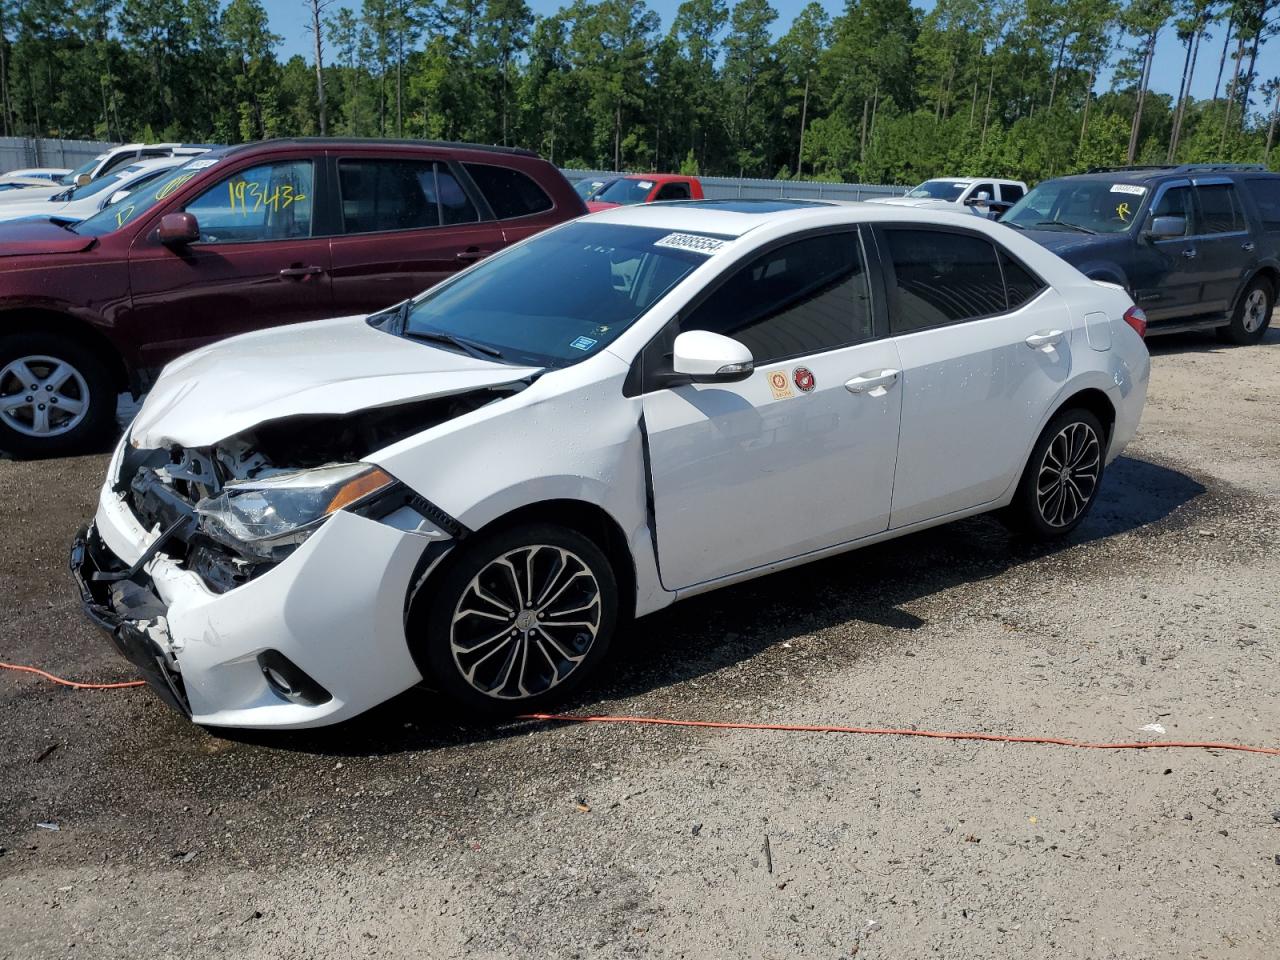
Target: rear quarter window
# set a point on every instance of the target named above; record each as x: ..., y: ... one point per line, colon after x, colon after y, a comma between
x: 510, y: 193
x: 1265, y: 194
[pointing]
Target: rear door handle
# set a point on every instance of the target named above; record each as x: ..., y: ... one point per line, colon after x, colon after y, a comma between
x: 871, y: 381
x: 297, y: 273
x: 1189, y: 254
x: 471, y: 253
x: 1044, y: 339
x: 1247, y: 246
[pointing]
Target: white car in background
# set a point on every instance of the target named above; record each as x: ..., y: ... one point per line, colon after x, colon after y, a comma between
x: 477, y: 486
x: 983, y: 196
x: 72, y: 204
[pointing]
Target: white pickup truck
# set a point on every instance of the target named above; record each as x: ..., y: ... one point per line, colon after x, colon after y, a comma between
x: 987, y: 197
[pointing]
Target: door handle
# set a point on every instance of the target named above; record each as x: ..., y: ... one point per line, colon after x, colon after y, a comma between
x: 871, y: 381
x: 471, y: 253
x: 1044, y: 339
x: 1189, y: 254
x: 1247, y: 246
x: 297, y: 273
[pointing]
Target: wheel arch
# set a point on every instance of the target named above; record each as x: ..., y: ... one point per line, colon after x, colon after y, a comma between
x: 45, y: 320
x: 1096, y: 402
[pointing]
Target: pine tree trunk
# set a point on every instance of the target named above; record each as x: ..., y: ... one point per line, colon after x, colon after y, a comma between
x: 1177, y: 109
x: 1088, y: 100
x: 804, y: 119
x: 1271, y: 127
x: 315, y: 27
x: 1181, y: 113
x: 1248, y: 79
x: 1136, y: 131
x: 1222, y: 60
x: 986, y: 110
x: 1231, y: 94
x: 866, y: 113
x: 1057, y: 68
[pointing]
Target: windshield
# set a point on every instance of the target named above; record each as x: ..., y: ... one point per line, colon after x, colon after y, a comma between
x: 625, y: 191
x: 86, y: 167
x: 589, y: 188
x: 562, y: 296
x: 938, y: 190
x: 1078, y: 206
x: 139, y: 200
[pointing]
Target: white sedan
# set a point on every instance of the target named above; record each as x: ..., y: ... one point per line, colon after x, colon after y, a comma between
x: 475, y: 487
x: 73, y: 204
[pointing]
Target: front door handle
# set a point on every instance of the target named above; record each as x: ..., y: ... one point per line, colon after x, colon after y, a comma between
x: 1189, y: 253
x: 472, y: 253
x: 1044, y: 339
x: 871, y: 381
x: 1247, y: 246
x: 297, y: 273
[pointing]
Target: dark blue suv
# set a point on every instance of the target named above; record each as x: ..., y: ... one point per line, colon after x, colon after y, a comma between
x: 1197, y: 246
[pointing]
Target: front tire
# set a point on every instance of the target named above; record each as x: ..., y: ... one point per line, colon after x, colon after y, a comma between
x: 520, y: 619
x: 56, y: 397
x: 1252, y: 315
x: 1062, y: 476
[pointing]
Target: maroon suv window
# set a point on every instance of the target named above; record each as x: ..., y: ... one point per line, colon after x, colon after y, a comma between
x: 383, y: 194
x: 510, y: 193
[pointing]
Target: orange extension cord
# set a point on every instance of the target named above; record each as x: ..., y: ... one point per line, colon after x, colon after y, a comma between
x: 785, y: 727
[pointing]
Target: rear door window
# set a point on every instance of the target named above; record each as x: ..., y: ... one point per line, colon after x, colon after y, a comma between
x: 1011, y: 192
x: 510, y: 193
x: 1220, y: 210
x: 674, y: 191
x: 381, y: 195
x: 942, y: 278
x: 267, y: 202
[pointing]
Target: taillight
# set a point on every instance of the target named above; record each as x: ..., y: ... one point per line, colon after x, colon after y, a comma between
x: 1135, y: 318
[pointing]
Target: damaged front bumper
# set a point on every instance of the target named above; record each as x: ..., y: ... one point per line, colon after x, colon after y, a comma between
x: 315, y: 640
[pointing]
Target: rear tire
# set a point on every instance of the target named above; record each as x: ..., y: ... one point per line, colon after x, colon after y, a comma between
x: 1060, y: 482
x: 56, y: 397
x: 1252, y: 315
x: 519, y: 620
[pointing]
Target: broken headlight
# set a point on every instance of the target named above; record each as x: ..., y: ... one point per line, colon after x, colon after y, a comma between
x: 259, y: 516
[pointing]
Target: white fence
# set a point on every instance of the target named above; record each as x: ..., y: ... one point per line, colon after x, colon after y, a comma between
x: 16, y: 152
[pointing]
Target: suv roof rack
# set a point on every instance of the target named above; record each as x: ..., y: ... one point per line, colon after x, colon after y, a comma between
x: 1179, y: 168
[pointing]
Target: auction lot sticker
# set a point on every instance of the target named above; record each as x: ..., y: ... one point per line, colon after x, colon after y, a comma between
x: 690, y: 241
x: 1131, y: 188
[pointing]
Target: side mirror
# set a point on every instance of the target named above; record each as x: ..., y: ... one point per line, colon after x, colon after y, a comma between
x: 1166, y: 228
x: 979, y: 199
x: 706, y: 357
x: 178, y: 229
x: 83, y: 179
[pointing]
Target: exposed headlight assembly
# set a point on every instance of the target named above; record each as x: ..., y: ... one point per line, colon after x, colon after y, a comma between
x: 262, y: 516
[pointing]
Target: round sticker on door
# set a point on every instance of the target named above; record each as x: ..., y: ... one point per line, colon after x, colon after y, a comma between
x: 803, y: 377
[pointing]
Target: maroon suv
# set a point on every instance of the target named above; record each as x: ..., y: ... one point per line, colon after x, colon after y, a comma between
x: 238, y: 239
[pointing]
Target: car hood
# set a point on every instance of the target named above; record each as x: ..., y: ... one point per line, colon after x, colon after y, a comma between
x: 38, y: 208
x: 1063, y: 242
x: 326, y: 367
x: 38, y: 237
x: 27, y: 194
x: 913, y: 201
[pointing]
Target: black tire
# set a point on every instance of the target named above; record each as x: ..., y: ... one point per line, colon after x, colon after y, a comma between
x: 1246, y: 325
x: 1035, y: 510
x: 91, y: 385
x: 479, y: 648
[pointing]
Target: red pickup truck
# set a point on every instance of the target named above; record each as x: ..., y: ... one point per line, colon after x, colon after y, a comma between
x: 238, y: 239
x: 646, y: 188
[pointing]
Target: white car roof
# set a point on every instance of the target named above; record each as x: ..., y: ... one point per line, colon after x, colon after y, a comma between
x: 735, y: 218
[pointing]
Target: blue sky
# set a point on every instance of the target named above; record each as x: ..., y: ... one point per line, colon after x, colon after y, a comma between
x: 289, y: 19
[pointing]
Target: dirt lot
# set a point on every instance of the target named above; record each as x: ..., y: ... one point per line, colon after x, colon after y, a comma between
x: 407, y: 834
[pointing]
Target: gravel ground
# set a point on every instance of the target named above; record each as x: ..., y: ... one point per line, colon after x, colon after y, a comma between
x: 407, y: 834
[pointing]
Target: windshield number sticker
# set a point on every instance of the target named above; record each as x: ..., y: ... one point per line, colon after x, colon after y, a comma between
x: 780, y: 385
x: 583, y: 343
x: 690, y: 241
x: 200, y: 164
x: 172, y: 185
x: 242, y: 191
x: 1128, y: 188
x: 647, y: 184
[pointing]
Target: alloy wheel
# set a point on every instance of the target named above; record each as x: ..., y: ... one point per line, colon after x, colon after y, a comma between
x: 1068, y: 474
x: 525, y: 622
x: 1255, y: 311
x: 42, y: 396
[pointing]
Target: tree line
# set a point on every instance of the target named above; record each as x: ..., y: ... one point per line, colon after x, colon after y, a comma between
x: 881, y: 92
